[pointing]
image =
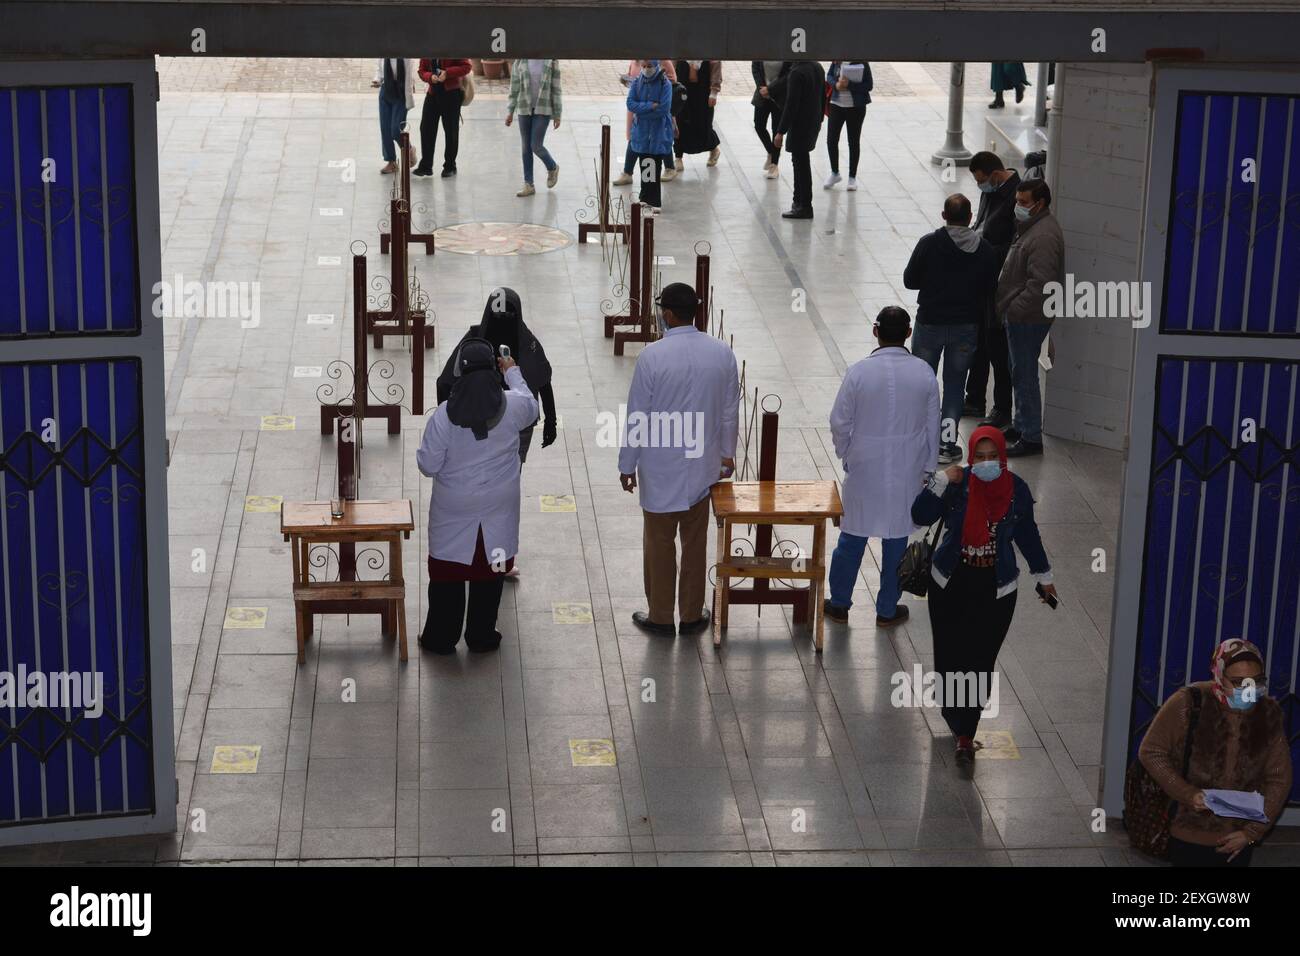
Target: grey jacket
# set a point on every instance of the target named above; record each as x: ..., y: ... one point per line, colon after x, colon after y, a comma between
x: 1036, y: 257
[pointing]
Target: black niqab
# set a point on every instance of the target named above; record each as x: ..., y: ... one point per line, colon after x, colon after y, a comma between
x: 476, y: 401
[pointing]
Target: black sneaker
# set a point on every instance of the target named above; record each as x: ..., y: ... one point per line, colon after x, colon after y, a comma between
x: 901, y: 614
x: 421, y: 171
x: 642, y: 620
x: 449, y: 172
x: 798, y: 212
x: 1022, y: 448
x: 949, y: 453
x: 835, y: 612
x: 1011, y: 434
x: 971, y: 410
x: 694, y: 627
x: 998, y: 419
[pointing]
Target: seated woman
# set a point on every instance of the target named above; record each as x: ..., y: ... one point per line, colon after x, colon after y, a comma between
x: 1238, y: 743
x: 985, y: 510
x: 471, y: 451
x: 503, y: 324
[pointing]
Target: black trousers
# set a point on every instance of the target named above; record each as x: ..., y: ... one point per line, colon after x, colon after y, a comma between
x: 649, y: 172
x: 767, y: 113
x: 801, y: 166
x: 991, y: 350
x: 1182, y: 853
x: 442, y: 626
x: 969, y: 623
x: 440, y: 105
x: 839, y: 117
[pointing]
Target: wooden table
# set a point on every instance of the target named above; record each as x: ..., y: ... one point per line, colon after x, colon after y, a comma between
x: 774, y: 503
x: 307, y: 523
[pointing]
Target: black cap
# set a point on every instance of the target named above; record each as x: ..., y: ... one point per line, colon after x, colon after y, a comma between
x: 893, y: 323
x: 678, y: 298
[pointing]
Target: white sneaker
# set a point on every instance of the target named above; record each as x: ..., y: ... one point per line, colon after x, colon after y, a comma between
x: 831, y: 180
x: 668, y: 174
x: 767, y: 164
x: 681, y: 163
x: 622, y: 179
x: 853, y: 184
x: 552, y: 176
x: 713, y: 156
x: 528, y: 190
x: 773, y: 172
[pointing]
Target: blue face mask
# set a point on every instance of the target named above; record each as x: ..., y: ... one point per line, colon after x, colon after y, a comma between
x: 986, y: 186
x: 1023, y: 213
x: 650, y: 72
x: 1238, y: 700
x: 986, y: 470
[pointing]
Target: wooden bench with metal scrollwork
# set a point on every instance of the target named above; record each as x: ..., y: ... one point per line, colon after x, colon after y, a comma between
x: 308, y: 523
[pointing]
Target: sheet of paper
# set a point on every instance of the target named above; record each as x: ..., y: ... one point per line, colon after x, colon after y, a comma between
x: 1241, y: 804
x: 852, y: 73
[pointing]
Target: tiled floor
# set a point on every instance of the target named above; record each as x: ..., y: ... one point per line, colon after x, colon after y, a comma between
x: 763, y: 754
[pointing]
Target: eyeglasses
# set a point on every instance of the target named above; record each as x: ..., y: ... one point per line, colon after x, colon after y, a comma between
x: 1255, y: 682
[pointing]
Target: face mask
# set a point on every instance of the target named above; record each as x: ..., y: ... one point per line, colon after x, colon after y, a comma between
x: 650, y: 72
x: 986, y: 186
x: 986, y: 470
x: 1238, y: 700
x: 1023, y: 213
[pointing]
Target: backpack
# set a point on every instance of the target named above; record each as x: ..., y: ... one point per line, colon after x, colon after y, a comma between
x: 1148, y: 810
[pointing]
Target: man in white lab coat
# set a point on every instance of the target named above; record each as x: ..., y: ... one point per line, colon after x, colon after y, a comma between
x: 885, y: 426
x: 471, y: 451
x: 683, y: 410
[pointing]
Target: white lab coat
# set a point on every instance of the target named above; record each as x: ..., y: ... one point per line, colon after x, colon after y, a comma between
x: 476, y: 483
x: 412, y: 78
x: 885, y: 426
x: 685, y: 393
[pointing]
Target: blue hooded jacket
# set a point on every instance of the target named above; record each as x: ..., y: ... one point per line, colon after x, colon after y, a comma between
x: 650, y: 101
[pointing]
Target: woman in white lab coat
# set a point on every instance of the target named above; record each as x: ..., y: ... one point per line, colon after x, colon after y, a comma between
x: 471, y: 451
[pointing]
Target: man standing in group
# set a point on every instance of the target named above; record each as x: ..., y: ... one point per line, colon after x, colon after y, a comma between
x: 683, y: 412
x: 885, y: 426
x: 442, y: 101
x: 996, y: 222
x: 955, y: 273
x: 1037, y: 257
x: 804, y: 91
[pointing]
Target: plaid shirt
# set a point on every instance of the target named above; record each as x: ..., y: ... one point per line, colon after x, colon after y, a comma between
x: 521, y: 94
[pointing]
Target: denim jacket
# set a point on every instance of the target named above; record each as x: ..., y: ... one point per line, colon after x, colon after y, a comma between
x: 941, y: 497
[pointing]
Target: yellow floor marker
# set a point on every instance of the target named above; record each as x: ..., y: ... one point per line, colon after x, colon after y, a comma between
x: 263, y: 504
x: 245, y: 618
x: 592, y: 752
x: 235, y: 758
x: 555, y: 504
x: 571, y: 612
x: 997, y: 745
x: 279, y: 423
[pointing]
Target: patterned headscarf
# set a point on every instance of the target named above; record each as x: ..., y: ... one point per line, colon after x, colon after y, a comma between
x: 1224, y: 656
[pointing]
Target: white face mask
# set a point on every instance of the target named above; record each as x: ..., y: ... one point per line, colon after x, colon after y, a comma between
x: 1023, y: 213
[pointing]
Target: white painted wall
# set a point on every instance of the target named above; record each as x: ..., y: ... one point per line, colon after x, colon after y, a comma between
x: 1097, y: 194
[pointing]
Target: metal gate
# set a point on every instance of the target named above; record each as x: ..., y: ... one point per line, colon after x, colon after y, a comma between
x: 1210, y: 528
x: 85, y: 665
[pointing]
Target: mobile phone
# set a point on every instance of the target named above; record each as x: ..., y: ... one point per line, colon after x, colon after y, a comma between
x: 505, y: 351
x: 1049, y: 598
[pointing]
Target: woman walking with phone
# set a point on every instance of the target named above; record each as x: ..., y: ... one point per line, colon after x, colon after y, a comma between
x: 985, y: 510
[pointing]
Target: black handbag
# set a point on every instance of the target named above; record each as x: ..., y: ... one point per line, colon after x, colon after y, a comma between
x: 914, y: 568
x: 679, y: 99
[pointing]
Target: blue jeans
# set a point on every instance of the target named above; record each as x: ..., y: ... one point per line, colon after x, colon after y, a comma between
x: 532, y: 133
x: 1024, y: 343
x: 956, y: 344
x: 391, y: 117
x: 846, y: 561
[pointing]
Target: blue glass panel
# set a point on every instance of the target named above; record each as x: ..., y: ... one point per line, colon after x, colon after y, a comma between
x: 68, y: 262
x: 72, y: 562
x: 1225, y: 504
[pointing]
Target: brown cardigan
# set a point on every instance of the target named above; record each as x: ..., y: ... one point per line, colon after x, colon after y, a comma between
x: 1231, y: 750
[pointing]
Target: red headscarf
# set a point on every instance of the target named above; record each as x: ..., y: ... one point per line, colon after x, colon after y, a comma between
x: 987, y: 501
